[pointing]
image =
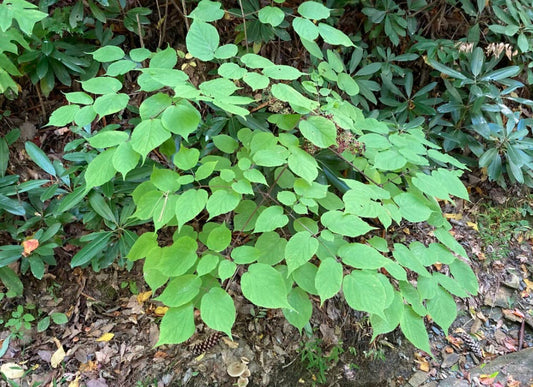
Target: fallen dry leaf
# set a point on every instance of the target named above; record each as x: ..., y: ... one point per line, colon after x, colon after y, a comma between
x: 160, y: 311
x: 29, y: 245
x: 200, y: 357
x: 510, y: 344
x: 229, y: 343
x: 57, y: 357
x: 481, y: 316
x: 106, y: 337
x: 487, y: 380
x: 61, y: 131
x: 12, y: 370
x: 89, y: 366
x: 454, y: 216
x: 160, y: 355
x: 421, y: 360
x: 423, y: 365
x: 75, y: 382
x: 511, y: 382
x: 142, y: 297
x: 454, y: 341
x: 529, y: 285
x: 472, y: 225
x: 513, y: 315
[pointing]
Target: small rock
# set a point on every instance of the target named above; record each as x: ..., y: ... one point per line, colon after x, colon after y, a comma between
x: 511, y: 316
x: 453, y: 382
x: 418, y: 379
x: 499, y: 336
x: 450, y: 360
x: 501, y: 298
x: 476, y: 325
x: 45, y: 356
x: 494, y: 314
x: 513, y: 281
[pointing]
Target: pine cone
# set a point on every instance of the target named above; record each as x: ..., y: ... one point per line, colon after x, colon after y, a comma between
x: 471, y: 344
x: 207, y: 344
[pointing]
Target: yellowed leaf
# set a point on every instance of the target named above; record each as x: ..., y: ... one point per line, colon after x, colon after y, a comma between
x: 529, y: 285
x: 454, y: 216
x: 424, y: 366
x: 89, y: 366
x: 472, y: 225
x: 487, y: 380
x: 12, y: 370
x: 57, y: 357
x: 29, y: 246
x: 75, y: 382
x: 142, y: 297
x: 230, y: 343
x: 160, y: 310
x: 199, y: 357
x: 106, y: 337
x: 160, y: 355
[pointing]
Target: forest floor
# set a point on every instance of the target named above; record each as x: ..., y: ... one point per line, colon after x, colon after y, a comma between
x: 113, y: 321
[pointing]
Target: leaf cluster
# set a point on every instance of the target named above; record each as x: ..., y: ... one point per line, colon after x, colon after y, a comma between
x: 51, y: 44
x: 303, y: 186
x: 471, y: 99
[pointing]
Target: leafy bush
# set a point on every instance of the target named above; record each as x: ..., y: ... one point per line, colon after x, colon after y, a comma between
x: 37, y: 250
x: 474, y: 88
x: 55, y: 41
x: 34, y: 212
x: 477, y: 108
x: 26, y: 15
x: 285, y: 196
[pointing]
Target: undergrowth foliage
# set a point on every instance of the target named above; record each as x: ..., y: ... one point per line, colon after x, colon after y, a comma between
x: 287, y: 200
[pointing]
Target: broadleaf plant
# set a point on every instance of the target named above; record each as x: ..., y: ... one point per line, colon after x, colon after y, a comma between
x: 305, y: 183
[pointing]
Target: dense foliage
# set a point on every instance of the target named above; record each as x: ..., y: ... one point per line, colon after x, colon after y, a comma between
x: 274, y: 177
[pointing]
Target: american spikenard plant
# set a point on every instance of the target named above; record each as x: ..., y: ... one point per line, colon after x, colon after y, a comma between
x: 305, y: 187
